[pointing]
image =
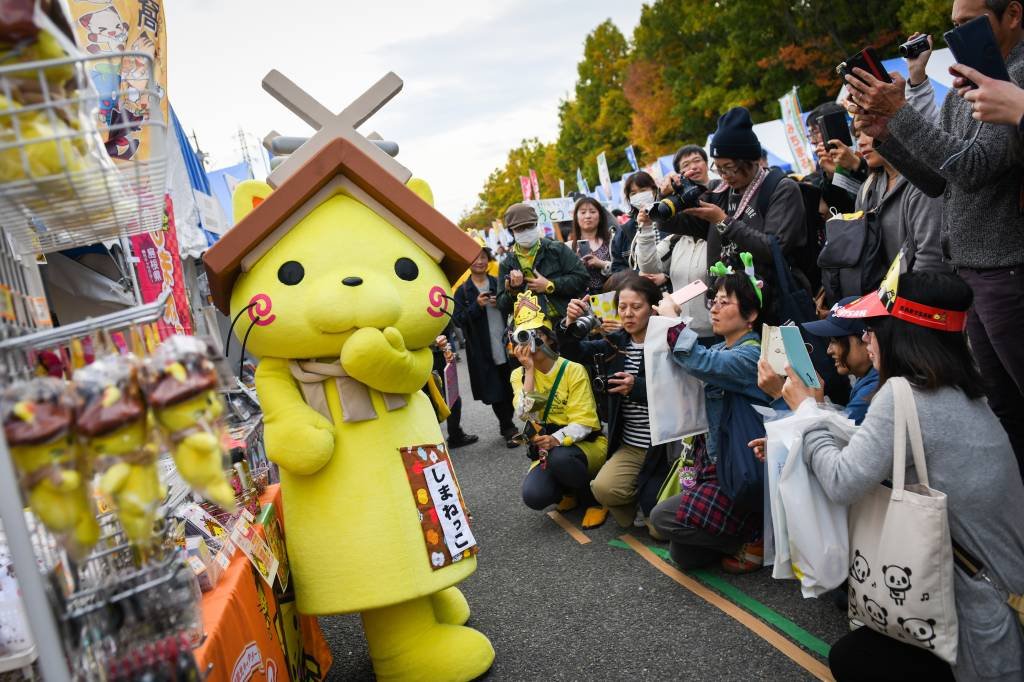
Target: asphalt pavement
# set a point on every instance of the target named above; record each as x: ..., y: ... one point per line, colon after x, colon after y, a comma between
x: 555, y: 609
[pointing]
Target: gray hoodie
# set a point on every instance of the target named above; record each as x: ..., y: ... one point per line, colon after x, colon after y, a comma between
x: 983, y: 226
x: 969, y: 458
x: 905, y: 216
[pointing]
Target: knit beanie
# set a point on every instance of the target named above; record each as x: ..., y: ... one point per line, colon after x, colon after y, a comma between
x: 735, y: 138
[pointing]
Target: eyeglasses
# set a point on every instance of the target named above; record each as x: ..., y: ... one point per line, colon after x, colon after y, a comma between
x: 694, y: 163
x: 724, y: 170
x: 713, y: 303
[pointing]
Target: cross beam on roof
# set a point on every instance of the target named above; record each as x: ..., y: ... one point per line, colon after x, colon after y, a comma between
x: 330, y: 126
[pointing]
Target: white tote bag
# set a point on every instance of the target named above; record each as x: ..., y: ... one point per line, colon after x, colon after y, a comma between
x: 675, y: 399
x: 901, y: 556
x: 817, y: 527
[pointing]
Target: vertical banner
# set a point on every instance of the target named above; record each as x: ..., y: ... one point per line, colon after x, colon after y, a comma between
x: 112, y: 27
x: 796, y: 134
x: 535, y: 184
x: 581, y: 182
x: 604, y: 175
x: 631, y: 157
x: 561, y: 187
x: 524, y: 184
x: 159, y: 270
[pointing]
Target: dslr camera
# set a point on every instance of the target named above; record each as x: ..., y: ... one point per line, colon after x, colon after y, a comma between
x: 686, y: 194
x: 583, y: 326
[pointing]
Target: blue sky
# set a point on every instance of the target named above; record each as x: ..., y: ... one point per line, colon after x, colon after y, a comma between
x: 479, y: 77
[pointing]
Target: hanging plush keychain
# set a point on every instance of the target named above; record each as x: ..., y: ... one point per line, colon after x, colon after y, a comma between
x: 180, y: 384
x: 112, y: 421
x: 38, y: 417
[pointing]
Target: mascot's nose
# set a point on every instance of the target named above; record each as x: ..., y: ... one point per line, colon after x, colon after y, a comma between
x: 352, y: 281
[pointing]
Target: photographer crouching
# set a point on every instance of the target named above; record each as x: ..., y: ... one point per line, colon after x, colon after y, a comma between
x: 563, y: 432
x: 634, y: 471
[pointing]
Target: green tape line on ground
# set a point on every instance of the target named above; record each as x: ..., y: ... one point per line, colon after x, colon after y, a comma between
x: 740, y: 598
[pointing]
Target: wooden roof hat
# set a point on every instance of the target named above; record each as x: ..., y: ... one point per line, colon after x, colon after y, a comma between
x: 336, y: 159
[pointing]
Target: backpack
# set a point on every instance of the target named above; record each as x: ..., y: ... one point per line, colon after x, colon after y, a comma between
x: 805, y: 258
x: 852, y: 261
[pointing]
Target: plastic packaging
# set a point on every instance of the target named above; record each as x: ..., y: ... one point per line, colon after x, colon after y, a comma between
x: 180, y: 384
x: 38, y: 419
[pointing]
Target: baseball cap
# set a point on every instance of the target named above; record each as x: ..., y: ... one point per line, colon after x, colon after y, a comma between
x: 835, y: 326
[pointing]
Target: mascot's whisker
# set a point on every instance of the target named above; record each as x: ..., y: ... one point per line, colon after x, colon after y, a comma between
x: 245, y: 340
x: 231, y: 329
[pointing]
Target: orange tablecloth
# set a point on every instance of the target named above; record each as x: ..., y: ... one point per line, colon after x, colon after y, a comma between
x: 253, y: 634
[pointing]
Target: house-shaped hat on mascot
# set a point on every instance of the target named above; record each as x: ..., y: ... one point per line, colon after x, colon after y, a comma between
x: 336, y: 160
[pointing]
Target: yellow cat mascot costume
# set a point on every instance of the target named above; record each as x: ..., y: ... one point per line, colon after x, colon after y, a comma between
x: 339, y: 276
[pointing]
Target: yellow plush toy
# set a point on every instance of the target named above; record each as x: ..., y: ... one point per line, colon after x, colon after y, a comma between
x: 112, y: 420
x: 342, y: 308
x: 180, y: 384
x: 38, y: 417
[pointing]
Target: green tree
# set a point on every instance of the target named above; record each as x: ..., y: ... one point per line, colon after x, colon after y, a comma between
x: 927, y: 16
x: 598, y: 117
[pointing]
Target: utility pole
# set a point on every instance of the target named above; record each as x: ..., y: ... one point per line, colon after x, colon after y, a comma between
x: 202, y: 156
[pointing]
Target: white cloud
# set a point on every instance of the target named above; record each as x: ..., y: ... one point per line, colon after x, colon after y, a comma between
x: 479, y: 76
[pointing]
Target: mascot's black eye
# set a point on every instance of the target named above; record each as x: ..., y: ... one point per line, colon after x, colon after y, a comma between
x: 291, y: 273
x: 406, y: 269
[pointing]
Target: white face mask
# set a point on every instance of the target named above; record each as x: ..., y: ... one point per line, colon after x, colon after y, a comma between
x: 527, y: 238
x: 642, y: 201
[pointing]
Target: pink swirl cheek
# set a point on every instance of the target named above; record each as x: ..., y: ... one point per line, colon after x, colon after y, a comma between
x: 438, y: 300
x: 259, y: 312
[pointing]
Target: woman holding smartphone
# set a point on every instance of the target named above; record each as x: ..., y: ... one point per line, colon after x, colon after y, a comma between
x: 476, y: 312
x: 591, y: 241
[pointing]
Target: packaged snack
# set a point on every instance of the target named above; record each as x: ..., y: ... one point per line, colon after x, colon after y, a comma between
x: 180, y: 384
x: 111, y: 420
x: 38, y: 419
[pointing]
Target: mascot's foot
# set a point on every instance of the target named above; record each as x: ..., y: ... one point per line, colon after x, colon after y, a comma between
x: 450, y: 606
x: 408, y: 643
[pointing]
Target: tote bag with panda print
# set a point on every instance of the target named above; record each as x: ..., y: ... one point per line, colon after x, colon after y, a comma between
x: 901, y: 555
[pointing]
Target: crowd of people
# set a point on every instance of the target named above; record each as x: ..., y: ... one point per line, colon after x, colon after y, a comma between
x: 901, y: 256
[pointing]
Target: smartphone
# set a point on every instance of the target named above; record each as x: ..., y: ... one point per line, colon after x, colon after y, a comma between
x: 974, y: 44
x: 689, y: 292
x: 583, y: 248
x: 868, y: 60
x: 834, y: 126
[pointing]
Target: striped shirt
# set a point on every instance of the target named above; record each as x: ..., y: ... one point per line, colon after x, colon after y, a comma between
x: 636, y: 425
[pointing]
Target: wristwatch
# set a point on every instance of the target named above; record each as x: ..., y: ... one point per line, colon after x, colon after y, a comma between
x: 723, y: 226
x: 567, y: 441
x: 550, y: 288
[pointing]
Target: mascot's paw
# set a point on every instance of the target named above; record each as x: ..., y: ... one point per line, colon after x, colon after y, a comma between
x: 450, y: 606
x: 452, y: 653
x: 299, y: 440
x: 380, y: 360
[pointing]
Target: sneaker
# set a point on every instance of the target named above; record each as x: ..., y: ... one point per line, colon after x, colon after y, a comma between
x: 461, y: 439
x: 639, y: 521
x: 749, y: 559
x: 594, y: 517
x: 511, y: 436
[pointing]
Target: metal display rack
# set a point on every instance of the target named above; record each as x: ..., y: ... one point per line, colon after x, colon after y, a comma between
x: 59, y: 188
x: 34, y: 551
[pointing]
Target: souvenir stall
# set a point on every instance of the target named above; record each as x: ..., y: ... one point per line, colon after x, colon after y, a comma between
x: 143, y: 530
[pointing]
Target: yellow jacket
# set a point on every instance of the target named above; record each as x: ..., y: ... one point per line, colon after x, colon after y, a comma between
x: 573, y: 404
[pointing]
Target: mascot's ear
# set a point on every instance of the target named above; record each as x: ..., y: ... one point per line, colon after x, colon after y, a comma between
x: 421, y: 188
x: 248, y: 195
